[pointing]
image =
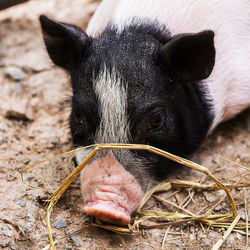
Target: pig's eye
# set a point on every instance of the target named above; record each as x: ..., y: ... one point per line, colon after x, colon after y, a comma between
x: 157, y: 121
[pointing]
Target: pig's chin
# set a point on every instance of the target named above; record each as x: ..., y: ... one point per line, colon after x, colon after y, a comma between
x: 110, y: 192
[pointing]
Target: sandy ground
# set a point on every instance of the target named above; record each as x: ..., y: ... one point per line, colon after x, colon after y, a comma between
x: 33, y: 126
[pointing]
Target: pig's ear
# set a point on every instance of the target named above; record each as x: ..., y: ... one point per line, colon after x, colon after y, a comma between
x: 64, y: 42
x: 190, y: 57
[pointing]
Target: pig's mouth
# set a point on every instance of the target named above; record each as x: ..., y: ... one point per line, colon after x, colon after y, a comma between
x: 108, y: 211
x: 110, y: 192
x: 110, y: 205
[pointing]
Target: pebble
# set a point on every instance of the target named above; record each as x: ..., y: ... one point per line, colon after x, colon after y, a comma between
x: 19, y: 89
x: 6, y: 231
x: 213, y: 235
x: 33, y: 92
x: 30, y: 217
x: 207, y: 242
x: 77, y: 241
x: 34, y: 102
x: 3, y: 127
x: 36, y: 193
x: 15, y: 73
x: 74, y: 236
x: 26, y: 228
x: 218, y: 208
x: 230, y: 240
x: 54, y: 141
x: 60, y: 224
x: 242, y: 214
x: 23, y: 159
x: 212, y: 196
x: 13, y: 246
x: 22, y: 203
x: 192, y: 237
x: 238, y: 236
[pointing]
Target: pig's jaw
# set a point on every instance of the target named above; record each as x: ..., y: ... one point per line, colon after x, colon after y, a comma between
x: 110, y: 192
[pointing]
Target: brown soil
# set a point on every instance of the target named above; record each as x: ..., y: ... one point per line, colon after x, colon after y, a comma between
x: 33, y: 126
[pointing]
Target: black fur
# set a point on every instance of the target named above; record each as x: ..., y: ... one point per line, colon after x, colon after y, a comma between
x: 167, y: 107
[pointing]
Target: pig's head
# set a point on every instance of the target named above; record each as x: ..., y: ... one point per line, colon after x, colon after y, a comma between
x: 137, y: 85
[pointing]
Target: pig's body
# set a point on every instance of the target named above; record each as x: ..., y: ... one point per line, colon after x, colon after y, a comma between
x: 147, y: 73
x: 229, y: 83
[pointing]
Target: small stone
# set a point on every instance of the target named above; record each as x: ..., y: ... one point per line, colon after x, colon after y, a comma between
x: 30, y: 217
x: 77, y: 241
x: 6, y: 231
x: 15, y: 73
x: 54, y: 141
x: 74, y: 236
x: 33, y: 92
x: 238, y: 236
x: 23, y: 159
x: 213, y: 235
x: 19, y: 89
x: 192, y: 237
x: 218, y: 208
x: 3, y: 127
x: 26, y: 228
x: 60, y: 224
x: 242, y: 214
x: 230, y: 240
x: 212, y: 196
x: 13, y: 246
x: 22, y: 203
x: 207, y: 242
x: 36, y: 193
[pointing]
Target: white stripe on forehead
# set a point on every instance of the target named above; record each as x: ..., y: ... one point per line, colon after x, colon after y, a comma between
x: 112, y: 95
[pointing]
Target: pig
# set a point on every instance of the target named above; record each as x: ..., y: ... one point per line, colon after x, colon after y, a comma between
x: 163, y: 73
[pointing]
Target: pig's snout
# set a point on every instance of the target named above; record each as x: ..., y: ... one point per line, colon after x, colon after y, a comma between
x: 110, y: 192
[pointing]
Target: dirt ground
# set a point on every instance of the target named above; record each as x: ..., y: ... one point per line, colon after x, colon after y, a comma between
x: 33, y: 126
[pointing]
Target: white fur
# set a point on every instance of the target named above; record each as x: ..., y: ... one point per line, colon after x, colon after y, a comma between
x: 112, y: 96
x: 229, y: 83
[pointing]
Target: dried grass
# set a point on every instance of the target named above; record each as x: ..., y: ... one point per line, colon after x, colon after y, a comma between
x: 152, y: 216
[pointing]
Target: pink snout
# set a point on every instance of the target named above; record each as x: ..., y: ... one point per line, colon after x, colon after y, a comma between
x: 110, y: 192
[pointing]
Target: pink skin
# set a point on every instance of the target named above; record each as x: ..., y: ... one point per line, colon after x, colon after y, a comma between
x: 110, y: 192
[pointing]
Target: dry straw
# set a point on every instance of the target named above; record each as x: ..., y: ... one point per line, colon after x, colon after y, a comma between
x: 151, y: 215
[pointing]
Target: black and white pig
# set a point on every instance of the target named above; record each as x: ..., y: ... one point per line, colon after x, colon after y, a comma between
x: 163, y: 73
